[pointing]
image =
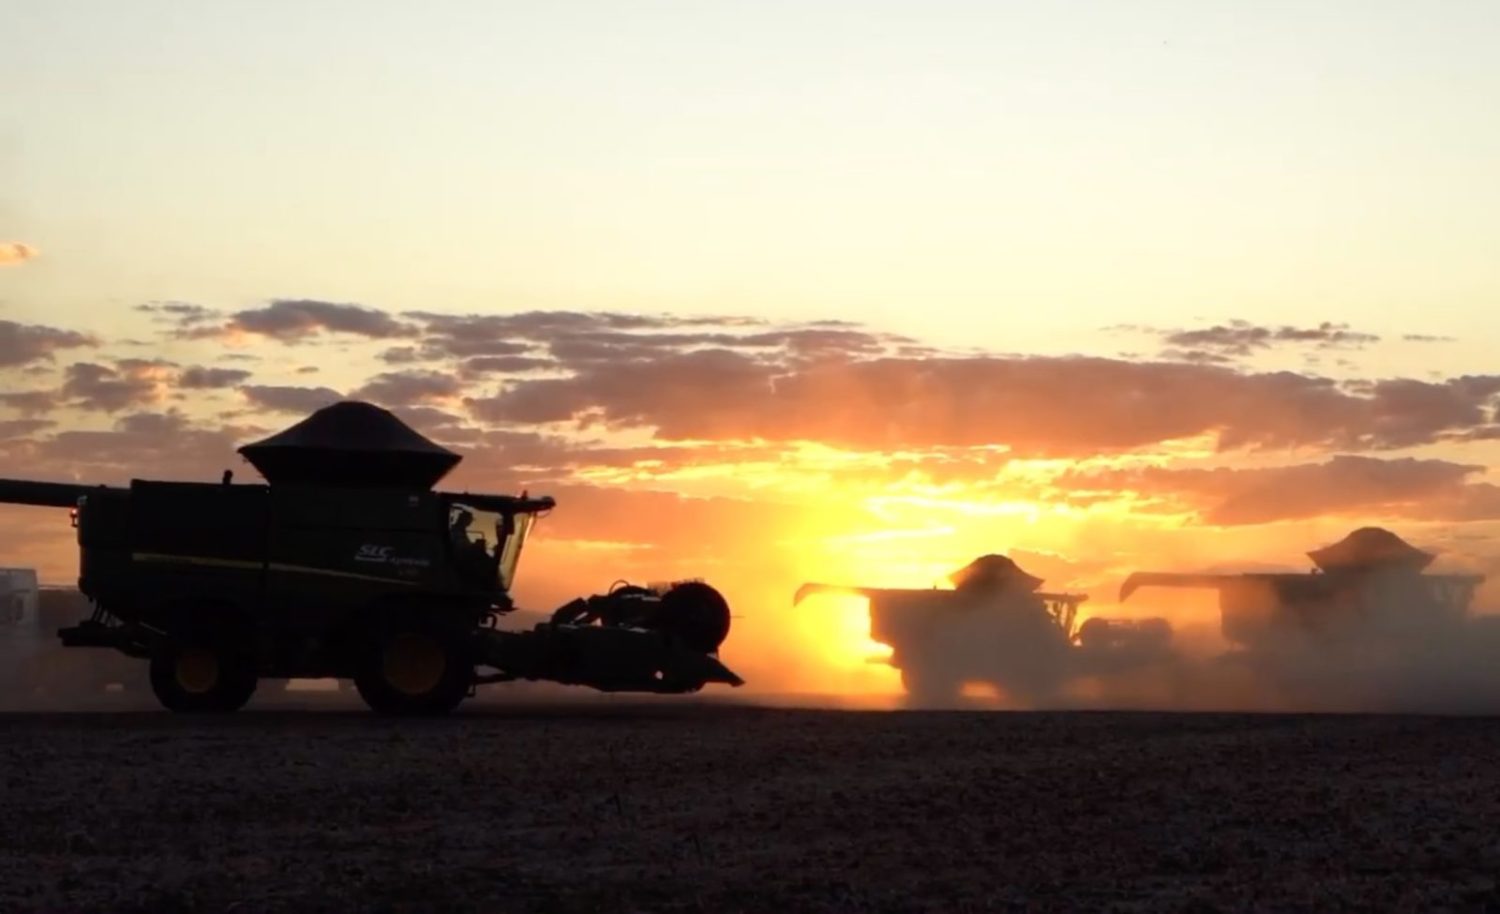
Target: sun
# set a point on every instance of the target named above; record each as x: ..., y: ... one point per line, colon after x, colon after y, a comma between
x: 835, y: 628
x: 844, y: 620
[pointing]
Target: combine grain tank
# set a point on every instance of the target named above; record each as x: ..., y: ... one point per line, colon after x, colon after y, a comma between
x: 348, y: 563
x: 996, y: 626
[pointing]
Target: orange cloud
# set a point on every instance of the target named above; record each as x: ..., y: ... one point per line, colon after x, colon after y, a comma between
x: 1070, y: 406
x: 1346, y: 486
x: 13, y: 252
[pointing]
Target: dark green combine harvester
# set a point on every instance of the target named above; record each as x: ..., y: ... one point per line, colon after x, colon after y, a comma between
x: 349, y: 564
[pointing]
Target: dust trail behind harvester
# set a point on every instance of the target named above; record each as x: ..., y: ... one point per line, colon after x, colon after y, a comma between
x: 37, y: 673
x: 1368, y: 631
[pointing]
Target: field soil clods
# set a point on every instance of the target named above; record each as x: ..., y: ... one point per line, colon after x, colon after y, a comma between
x: 701, y: 807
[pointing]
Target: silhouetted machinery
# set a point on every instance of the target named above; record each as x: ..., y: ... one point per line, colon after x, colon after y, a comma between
x: 1369, y: 586
x: 996, y: 626
x: 349, y: 564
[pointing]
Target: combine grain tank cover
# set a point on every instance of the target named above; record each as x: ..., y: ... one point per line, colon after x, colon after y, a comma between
x: 1370, y: 547
x: 993, y: 572
x: 351, y: 445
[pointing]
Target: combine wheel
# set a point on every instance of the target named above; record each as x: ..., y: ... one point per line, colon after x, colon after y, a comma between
x: 414, y: 667
x: 201, y: 677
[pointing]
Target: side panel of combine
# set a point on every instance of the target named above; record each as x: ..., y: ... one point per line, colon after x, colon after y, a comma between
x: 104, y: 544
x: 909, y: 620
x: 336, y: 552
x: 920, y: 627
x: 1267, y: 610
x: 197, y: 552
x: 1248, y: 610
x: 1396, y: 603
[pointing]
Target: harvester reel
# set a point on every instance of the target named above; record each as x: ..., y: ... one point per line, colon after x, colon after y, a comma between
x: 696, y: 614
x: 693, y: 613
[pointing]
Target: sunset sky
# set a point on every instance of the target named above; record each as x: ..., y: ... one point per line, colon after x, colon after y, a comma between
x: 772, y: 291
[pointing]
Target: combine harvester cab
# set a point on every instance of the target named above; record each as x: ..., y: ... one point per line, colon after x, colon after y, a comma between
x: 997, y: 627
x: 349, y: 564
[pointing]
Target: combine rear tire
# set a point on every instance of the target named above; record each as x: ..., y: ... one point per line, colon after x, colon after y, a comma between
x: 415, y: 668
x: 201, y: 678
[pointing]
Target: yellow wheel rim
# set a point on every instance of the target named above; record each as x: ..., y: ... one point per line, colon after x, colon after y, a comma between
x: 197, y: 670
x: 414, y: 664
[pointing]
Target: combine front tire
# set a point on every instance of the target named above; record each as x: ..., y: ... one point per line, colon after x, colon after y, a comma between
x: 199, y: 678
x: 415, y: 668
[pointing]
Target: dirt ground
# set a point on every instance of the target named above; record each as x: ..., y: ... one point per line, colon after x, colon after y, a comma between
x: 671, y: 806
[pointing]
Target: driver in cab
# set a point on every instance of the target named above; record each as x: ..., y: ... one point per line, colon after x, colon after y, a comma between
x: 470, y: 548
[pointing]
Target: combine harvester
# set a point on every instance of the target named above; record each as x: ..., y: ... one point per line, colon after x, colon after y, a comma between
x: 1369, y: 583
x: 348, y: 564
x: 1366, y: 625
x: 996, y: 627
